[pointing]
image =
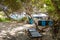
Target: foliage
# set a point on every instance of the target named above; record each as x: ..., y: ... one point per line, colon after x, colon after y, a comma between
x: 57, y: 3
x: 53, y: 6
x: 20, y: 4
x: 50, y: 6
x: 5, y: 20
x: 13, y: 4
x: 22, y: 20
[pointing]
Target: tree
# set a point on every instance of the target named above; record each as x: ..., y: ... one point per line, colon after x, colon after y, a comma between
x: 15, y: 5
x: 56, y: 4
x: 5, y: 5
x: 56, y: 13
x: 53, y: 8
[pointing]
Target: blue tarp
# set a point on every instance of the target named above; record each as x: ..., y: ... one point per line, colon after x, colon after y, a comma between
x: 30, y: 20
x: 43, y: 23
x: 50, y: 23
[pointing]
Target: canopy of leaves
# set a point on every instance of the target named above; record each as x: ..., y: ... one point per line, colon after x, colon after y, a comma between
x: 14, y: 5
x: 57, y: 3
x: 53, y: 6
x: 50, y: 6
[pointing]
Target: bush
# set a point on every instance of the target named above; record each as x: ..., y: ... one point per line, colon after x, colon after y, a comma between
x: 4, y: 20
x: 23, y: 19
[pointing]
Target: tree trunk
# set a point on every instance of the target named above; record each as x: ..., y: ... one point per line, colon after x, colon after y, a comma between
x: 4, y: 9
x: 29, y: 13
x: 6, y: 14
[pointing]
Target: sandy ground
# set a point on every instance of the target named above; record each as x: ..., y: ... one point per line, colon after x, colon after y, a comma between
x: 21, y: 35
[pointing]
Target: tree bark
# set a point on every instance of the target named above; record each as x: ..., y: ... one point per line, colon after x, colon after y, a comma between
x: 6, y: 14
x: 29, y: 13
x: 57, y: 10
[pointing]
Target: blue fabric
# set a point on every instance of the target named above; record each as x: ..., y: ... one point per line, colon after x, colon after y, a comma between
x: 30, y: 20
x: 50, y: 23
x: 43, y: 23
